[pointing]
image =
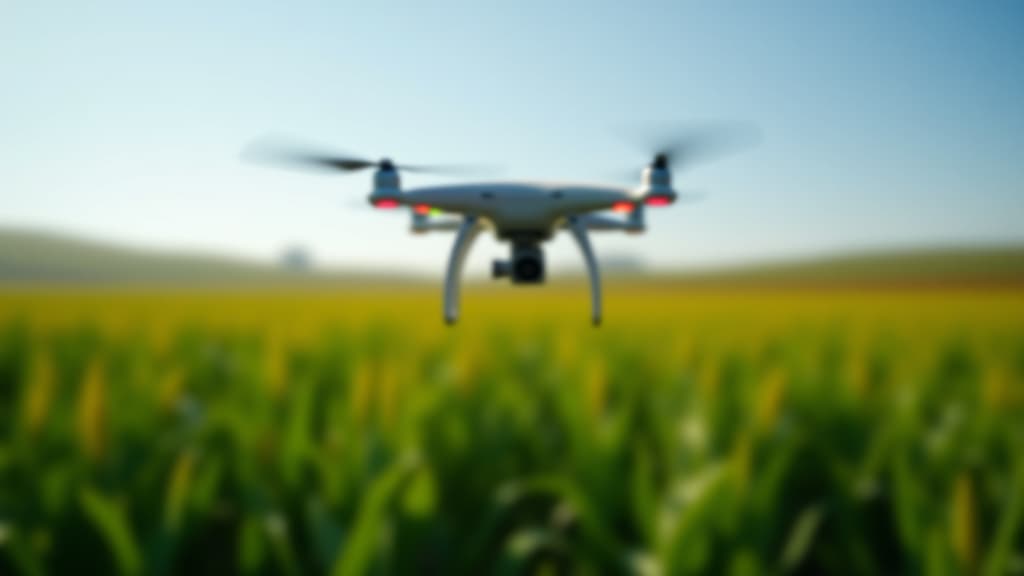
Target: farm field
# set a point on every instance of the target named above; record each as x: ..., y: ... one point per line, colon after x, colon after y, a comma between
x: 702, y: 430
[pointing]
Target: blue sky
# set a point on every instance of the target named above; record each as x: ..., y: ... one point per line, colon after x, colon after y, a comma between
x: 882, y: 123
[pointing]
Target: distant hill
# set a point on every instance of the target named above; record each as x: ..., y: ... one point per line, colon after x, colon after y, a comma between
x: 989, y: 266
x: 32, y: 257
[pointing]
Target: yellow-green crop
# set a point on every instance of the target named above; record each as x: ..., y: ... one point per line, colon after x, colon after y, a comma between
x: 698, y: 431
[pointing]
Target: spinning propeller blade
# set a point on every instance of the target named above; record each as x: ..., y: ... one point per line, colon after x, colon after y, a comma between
x: 275, y: 151
x: 678, y: 147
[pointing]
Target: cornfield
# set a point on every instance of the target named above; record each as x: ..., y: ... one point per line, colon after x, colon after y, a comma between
x: 697, y: 432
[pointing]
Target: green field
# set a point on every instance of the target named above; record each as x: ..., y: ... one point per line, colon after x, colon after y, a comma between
x: 312, y: 431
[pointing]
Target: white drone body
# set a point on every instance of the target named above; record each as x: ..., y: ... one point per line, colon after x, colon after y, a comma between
x: 524, y: 214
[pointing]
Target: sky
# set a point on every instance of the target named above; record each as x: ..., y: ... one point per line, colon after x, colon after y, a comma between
x: 882, y: 123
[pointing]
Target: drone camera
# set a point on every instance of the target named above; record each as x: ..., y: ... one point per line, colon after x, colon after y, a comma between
x: 527, y: 263
x: 525, y: 267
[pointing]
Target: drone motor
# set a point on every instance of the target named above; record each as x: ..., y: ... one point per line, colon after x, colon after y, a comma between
x: 387, y: 186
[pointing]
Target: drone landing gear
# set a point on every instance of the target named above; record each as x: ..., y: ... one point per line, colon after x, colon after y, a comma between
x: 467, y: 233
x: 579, y: 232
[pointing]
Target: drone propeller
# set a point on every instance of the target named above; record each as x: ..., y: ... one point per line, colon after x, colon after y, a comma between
x: 275, y: 152
x: 681, y: 147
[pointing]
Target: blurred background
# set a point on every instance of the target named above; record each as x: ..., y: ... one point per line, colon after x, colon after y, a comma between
x: 212, y: 366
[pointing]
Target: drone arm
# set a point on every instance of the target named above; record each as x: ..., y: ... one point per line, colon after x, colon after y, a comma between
x: 599, y: 223
x: 578, y: 227
x: 468, y: 231
x: 423, y: 223
x: 633, y: 223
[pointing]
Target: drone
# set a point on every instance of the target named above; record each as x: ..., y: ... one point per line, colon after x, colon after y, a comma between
x: 523, y: 214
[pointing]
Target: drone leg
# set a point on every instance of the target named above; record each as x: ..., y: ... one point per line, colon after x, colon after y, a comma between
x: 579, y: 232
x: 468, y: 232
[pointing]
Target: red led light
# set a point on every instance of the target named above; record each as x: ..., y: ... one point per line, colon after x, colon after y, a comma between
x: 658, y: 201
x: 421, y: 209
x: 622, y: 207
x: 386, y: 203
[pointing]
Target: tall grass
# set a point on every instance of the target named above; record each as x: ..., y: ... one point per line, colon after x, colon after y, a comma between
x: 305, y: 432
